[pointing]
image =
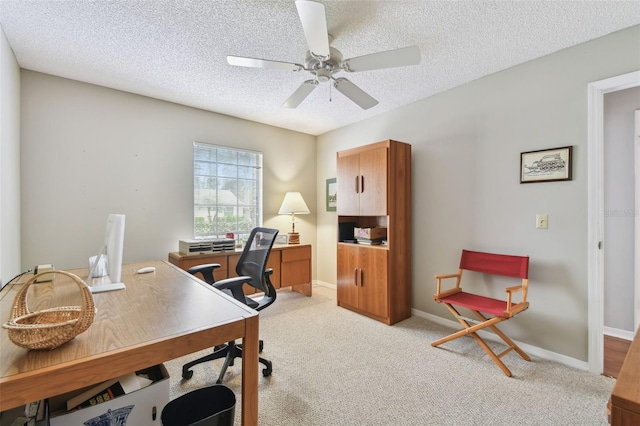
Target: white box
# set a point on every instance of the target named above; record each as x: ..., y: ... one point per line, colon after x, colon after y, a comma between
x: 139, y: 408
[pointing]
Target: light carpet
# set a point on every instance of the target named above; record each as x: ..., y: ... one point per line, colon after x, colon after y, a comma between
x: 334, y: 367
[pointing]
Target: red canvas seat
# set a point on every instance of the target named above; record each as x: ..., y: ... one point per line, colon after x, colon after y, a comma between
x: 491, y: 306
x: 500, y: 310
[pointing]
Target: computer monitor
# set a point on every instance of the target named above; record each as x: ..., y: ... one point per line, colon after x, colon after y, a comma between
x: 114, y: 240
x: 109, y: 259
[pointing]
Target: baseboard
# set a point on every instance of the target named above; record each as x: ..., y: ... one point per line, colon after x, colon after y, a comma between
x: 616, y: 332
x: 325, y: 284
x: 531, y: 350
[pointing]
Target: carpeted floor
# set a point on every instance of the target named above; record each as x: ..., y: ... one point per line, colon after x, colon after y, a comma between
x: 335, y: 367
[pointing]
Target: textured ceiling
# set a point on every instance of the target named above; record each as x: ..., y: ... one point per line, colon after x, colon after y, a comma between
x: 176, y: 50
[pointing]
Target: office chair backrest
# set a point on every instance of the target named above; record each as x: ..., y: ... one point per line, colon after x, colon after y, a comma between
x: 253, y: 260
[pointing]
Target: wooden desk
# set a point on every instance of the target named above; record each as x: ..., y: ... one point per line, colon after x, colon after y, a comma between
x: 291, y: 265
x: 161, y: 315
x: 625, y: 397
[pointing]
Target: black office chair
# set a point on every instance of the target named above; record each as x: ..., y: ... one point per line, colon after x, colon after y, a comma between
x: 252, y: 270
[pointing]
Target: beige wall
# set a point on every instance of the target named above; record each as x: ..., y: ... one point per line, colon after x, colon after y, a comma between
x: 9, y: 163
x: 466, y: 191
x: 88, y: 151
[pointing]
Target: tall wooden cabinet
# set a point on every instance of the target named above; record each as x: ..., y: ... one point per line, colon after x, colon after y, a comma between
x: 374, y: 190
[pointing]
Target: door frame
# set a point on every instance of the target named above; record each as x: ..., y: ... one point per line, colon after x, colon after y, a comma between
x: 595, y: 189
x: 636, y: 262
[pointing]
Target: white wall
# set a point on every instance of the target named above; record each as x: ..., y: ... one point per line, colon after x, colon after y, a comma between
x: 9, y: 163
x: 88, y: 151
x: 466, y: 191
x: 619, y: 207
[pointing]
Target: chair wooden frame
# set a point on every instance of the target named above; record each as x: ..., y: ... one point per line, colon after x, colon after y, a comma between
x: 499, y: 310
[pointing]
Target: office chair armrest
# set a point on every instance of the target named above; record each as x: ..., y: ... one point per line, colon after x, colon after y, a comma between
x: 270, y: 291
x: 234, y: 285
x: 205, y: 270
x: 200, y: 268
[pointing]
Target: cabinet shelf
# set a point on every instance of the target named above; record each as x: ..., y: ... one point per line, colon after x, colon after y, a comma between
x: 366, y: 246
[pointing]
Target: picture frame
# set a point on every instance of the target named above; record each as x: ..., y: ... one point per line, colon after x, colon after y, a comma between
x: 332, y: 195
x: 282, y: 239
x: 546, y: 165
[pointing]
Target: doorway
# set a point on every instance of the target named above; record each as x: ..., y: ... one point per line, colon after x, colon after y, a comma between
x: 636, y: 148
x: 596, y: 92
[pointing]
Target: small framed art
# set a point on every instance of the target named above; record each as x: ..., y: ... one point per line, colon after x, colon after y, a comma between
x: 332, y: 195
x: 546, y: 165
x: 282, y: 239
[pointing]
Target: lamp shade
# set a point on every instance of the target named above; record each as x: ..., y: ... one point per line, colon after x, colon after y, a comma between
x: 293, y: 203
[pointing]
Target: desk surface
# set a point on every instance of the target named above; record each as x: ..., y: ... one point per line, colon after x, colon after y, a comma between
x: 160, y: 316
x: 625, y: 397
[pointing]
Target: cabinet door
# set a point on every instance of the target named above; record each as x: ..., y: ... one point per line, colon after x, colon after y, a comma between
x: 348, y: 271
x: 373, y: 291
x: 373, y: 184
x: 296, y: 266
x: 348, y: 185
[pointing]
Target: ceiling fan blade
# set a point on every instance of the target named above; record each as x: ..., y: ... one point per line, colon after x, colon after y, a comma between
x: 314, y: 24
x: 263, y: 63
x: 300, y: 94
x: 389, y: 59
x: 356, y: 94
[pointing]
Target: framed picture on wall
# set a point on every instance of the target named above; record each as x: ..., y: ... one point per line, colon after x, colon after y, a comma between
x: 332, y: 195
x: 546, y: 165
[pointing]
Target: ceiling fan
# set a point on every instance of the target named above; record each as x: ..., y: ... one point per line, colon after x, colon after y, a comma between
x: 323, y: 61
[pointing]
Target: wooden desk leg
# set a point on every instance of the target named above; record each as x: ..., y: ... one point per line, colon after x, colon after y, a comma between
x: 250, y: 372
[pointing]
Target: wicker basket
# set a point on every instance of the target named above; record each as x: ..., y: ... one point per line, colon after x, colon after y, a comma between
x: 49, y: 328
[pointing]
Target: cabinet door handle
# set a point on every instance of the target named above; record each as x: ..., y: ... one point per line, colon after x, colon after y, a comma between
x: 361, y: 278
x: 355, y: 276
x: 361, y: 183
x: 357, y: 184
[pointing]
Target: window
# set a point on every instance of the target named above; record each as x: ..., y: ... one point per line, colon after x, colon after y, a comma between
x: 227, y: 191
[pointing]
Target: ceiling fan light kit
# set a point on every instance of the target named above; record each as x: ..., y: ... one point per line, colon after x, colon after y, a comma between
x: 323, y: 61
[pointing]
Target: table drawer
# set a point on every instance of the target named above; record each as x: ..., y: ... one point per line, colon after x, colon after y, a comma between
x: 298, y: 253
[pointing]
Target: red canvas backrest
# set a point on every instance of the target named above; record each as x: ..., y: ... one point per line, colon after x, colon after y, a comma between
x: 496, y: 264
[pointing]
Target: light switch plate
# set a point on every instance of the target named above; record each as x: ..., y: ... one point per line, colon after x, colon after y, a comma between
x: 542, y: 221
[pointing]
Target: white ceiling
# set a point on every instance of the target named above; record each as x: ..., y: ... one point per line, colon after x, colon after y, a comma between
x: 176, y: 50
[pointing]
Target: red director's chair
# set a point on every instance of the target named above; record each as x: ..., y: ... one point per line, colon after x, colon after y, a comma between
x: 497, y: 310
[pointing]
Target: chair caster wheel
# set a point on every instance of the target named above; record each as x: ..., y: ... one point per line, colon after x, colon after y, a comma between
x: 187, y: 374
x: 266, y: 372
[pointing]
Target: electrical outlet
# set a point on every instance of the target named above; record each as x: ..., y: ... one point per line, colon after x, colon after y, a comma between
x: 542, y: 221
x: 41, y: 269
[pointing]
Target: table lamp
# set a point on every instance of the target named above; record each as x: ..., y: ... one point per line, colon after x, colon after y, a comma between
x: 293, y: 203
